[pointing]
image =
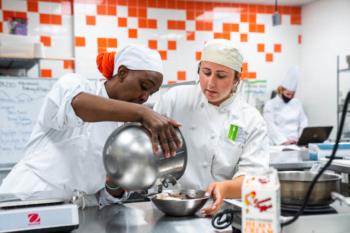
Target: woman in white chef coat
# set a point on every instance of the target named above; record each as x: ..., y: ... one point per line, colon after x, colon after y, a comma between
x: 224, y: 135
x: 284, y: 114
x: 64, y: 153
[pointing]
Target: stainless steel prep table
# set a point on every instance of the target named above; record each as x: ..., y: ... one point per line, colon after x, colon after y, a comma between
x: 140, y: 217
x: 291, y: 160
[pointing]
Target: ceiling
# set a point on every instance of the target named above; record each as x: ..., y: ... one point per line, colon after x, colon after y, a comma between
x: 266, y: 2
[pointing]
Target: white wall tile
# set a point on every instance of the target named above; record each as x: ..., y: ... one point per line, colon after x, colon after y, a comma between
x: 84, y: 9
x: 133, y: 23
x: 122, y: 11
x: 14, y: 5
x: 243, y: 27
x: 33, y: 25
x: 163, y: 14
x: 50, y: 8
x: 190, y: 25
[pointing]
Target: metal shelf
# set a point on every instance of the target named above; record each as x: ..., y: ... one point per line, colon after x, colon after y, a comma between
x: 344, y: 70
x: 26, y: 63
x: 17, y: 63
x: 340, y: 105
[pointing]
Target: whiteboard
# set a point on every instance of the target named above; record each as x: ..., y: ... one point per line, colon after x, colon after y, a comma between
x: 20, y: 103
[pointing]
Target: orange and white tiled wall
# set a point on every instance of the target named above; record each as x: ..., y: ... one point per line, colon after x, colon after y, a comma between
x: 177, y: 29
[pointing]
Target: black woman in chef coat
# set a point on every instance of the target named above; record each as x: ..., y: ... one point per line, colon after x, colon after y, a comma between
x: 64, y: 153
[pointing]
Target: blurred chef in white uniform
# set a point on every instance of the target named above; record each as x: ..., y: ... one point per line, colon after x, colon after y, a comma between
x: 224, y: 135
x: 284, y: 114
x: 64, y: 153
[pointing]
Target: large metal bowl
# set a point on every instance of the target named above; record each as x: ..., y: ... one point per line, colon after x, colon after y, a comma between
x: 294, y: 185
x: 181, y: 208
x: 129, y: 159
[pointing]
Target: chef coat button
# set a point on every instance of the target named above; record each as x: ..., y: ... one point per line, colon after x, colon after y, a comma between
x: 202, y: 105
x: 205, y: 164
x: 212, y: 137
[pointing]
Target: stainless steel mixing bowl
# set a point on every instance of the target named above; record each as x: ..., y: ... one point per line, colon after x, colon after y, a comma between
x: 129, y: 160
x: 180, y: 208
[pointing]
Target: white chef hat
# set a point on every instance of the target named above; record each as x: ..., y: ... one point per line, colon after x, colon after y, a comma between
x: 223, y: 52
x: 138, y: 57
x: 290, y: 81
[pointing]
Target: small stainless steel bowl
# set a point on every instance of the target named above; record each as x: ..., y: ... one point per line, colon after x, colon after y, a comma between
x: 181, y: 208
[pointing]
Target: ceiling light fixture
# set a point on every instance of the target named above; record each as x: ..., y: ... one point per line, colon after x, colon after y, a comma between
x: 276, y: 17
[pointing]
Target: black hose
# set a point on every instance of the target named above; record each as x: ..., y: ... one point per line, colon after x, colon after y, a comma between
x: 224, y: 218
x: 335, y: 148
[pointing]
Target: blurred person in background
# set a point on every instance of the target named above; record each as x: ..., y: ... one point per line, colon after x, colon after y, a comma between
x: 284, y: 114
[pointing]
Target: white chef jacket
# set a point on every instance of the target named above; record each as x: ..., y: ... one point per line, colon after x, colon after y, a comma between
x: 285, y: 121
x: 212, y: 155
x: 64, y: 154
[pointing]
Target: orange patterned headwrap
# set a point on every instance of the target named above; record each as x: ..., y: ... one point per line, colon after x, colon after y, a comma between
x: 105, y: 64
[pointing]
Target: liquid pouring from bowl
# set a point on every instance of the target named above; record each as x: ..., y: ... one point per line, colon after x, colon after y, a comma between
x: 129, y: 159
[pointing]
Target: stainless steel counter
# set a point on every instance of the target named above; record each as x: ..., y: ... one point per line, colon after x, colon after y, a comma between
x: 140, y: 217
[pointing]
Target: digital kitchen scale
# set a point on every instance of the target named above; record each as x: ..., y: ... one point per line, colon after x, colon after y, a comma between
x: 40, y: 215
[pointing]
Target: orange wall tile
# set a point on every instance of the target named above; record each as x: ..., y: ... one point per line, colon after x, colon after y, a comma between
x: 152, y: 44
x: 69, y: 65
x: 163, y: 54
x: 112, y: 43
x: 295, y: 20
x: 10, y: 14
x: 122, y: 22
x: 90, y: 20
x: 106, y: 10
x: 172, y: 45
x: 46, y: 73
x: 244, y: 37
x: 277, y: 48
x: 101, y: 42
x: 244, y: 18
x: 79, y: 41
x: 50, y: 19
x: 176, y: 24
x: 204, y: 26
x: 45, y: 40
x: 32, y: 6
x: 269, y: 57
x: 230, y: 27
x: 198, y: 55
x: 181, y: 75
x: 132, y: 12
x: 252, y: 18
x: 190, y: 35
x: 223, y: 35
x: 132, y: 33
x: 261, y: 48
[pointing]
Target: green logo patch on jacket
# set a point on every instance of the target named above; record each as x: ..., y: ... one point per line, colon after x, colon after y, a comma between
x: 232, y: 133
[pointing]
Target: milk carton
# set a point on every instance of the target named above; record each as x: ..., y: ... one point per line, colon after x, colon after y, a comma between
x: 261, y: 202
